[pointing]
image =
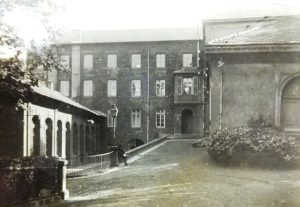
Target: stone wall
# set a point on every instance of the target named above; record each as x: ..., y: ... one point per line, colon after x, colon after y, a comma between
x: 248, y: 87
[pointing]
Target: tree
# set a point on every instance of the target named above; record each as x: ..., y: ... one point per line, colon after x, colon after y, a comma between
x: 23, y: 64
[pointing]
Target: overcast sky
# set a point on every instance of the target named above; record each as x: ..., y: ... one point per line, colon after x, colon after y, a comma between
x: 137, y: 14
x: 128, y: 14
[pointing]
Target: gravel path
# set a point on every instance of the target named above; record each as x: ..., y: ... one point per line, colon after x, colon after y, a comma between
x: 176, y: 174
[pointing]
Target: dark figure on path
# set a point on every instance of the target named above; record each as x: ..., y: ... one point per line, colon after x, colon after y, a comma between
x: 122, y: 154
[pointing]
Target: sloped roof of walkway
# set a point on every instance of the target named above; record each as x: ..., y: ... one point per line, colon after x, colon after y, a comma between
x: 283, y: 30
x: 44, y: 91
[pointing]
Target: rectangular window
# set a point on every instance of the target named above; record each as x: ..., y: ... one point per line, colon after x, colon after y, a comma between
x: 136, y: 118
x: 65, y: 61
x: 160, y: 118
x: 179, y: 86
x: 136, y: 60
x: 112, y: 61
x: 65, y: 88
x: 187, y: 60
x: 195, y: 85
x: 160, y: 88
x: 88, y: 88
x: 110, y: 119
x: 50, y: 85
x: 88, y: 61
x: 190, y: 86
x: 112, y: 88
x: 136, y: 88
x: 160, y: 60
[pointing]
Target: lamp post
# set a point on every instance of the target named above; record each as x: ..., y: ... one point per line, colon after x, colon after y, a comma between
x: 114, y: 114
x: 114, y: 155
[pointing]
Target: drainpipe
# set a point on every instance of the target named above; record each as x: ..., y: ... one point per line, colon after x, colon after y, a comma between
x: 148, y: 95
x: 220, y: 65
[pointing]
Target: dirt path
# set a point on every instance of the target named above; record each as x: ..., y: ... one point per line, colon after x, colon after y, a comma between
x: 176, y: 174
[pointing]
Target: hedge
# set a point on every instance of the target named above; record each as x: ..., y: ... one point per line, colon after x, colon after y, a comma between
x: 25, y: 178
x: 263, y: 146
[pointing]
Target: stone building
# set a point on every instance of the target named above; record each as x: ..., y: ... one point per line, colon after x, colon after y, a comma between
x: 151, y: 75
x: 255, y: 72
x: 51, y: 125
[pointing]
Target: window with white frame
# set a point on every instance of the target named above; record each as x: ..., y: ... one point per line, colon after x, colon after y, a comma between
x: 112, y: 88
x: 136, y: 60
x: 88, y: 61
x: 136, y: 118
x: 65, y: 88
x: 160, y: 118
x: 190, y: 85
x: 136, y: 88
x: 112, y: 61
x: 179, y: 85
x: 160, y: 87
x: 111, y: 120
x: 88, y: 88
x: 187, y: 60
x: 65, y: 60
x: 160, y: 60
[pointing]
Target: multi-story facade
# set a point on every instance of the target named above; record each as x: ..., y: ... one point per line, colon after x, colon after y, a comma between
x: 152, y: 76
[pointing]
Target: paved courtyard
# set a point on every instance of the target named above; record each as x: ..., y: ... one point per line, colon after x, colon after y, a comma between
x: 177, y: 174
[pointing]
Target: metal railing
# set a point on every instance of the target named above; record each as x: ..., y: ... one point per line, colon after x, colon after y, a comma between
x: 79, y: 166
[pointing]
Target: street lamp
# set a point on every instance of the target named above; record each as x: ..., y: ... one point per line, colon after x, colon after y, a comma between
x: 114, y: 114
x: 114, y: 155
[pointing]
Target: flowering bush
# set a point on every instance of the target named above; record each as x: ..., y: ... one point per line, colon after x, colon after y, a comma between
x: 262, y: 146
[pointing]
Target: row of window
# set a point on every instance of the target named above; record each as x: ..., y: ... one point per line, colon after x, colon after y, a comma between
x: 184, y: 85
x: 136, y: 117
x: 112, y: 88
x: 187, y: 60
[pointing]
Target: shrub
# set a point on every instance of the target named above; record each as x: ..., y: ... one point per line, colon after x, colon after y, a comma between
x: 25, y: 178
x: 245, y: 145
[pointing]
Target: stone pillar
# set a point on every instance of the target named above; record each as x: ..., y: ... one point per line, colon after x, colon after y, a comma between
x: 25, y: 128
x: 54, y: 134
x: 62, y: 179
x: 43, y: 128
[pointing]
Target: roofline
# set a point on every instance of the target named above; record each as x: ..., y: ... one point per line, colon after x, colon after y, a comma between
x: 245, y: 48
x: 79, y: 43
x: 73, y: 103
x: 244, y: 19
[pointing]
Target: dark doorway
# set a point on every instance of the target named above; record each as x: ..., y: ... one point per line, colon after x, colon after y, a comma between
x: 187, y: 122
x: 133, y: 143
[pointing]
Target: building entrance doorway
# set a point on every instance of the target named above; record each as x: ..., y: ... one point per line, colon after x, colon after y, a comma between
x: 187, y: 122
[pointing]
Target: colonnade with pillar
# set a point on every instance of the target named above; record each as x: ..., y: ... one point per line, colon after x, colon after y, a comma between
x: 52, y: 133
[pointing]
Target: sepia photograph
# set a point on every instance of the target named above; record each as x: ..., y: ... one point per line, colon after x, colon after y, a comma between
x: 161, y: 103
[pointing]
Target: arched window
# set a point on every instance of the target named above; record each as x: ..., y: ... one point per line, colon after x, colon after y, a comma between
x: 87, y: 140
x: 68, y: 141
x: 75, y: 138
x: 290, y: 105
x: 36, y: 136
x: 59, y: 138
